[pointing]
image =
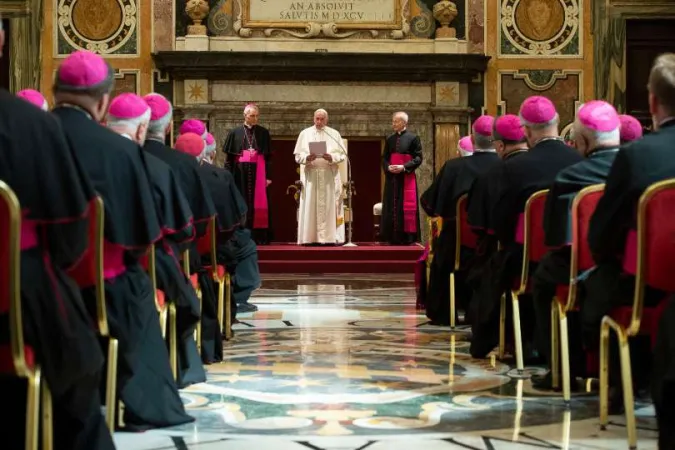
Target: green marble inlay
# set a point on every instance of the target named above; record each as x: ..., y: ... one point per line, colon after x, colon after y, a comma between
x: 539, y: 77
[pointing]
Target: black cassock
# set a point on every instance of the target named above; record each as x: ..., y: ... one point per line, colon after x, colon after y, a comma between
x: 392, y: 227
x: 554, y: 267
x: 440, y: 200
x: 54, y: 195
x: 116, y: 168
x: 240, y: 139
x: 178, y: 231
x: 515, y: 180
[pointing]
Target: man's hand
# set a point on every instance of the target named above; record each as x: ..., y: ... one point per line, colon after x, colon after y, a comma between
x: 311, y: 157
x: 327, y: 157
x: 269, y: 182
x: 396, y: 169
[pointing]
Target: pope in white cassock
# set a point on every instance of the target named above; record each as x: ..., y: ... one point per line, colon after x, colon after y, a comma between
x: 320, y: 200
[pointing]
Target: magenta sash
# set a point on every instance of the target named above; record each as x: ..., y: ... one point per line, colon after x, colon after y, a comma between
x: 260, y: 208
x: 630, y: 253
x: 409, y: 194
x: 113, y: 260
x: 29, y: 236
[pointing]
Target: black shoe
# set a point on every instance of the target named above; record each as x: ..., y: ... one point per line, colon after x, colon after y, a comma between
x: 545, y: 383
x: 246, y: 308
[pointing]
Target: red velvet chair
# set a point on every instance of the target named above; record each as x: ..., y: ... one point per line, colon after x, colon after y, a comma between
x: 464, y: 237
x: 194, y: 281
x: 89, y: 272
x: 530, y: 233
x: 16, y: 358
x: 650, y: 256
x: 583, y: 208
x: 207, y: 245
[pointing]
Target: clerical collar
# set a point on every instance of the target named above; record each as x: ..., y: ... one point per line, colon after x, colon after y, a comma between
x: 126, y: 136
x: 550, y: 138
x: 668, y: 121
x: 601, y: 150
x: 156, y: 139
x: 77, y: 107
x: 402, y: 131
x: 514, y: 153
x: 484, y: 150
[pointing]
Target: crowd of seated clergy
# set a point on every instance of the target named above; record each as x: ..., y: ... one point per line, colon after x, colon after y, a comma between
x: 161, y: 206
x: 506, y: 160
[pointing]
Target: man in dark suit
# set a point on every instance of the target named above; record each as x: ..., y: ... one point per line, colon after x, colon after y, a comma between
x: 515, y: 181
x: 597, y: 138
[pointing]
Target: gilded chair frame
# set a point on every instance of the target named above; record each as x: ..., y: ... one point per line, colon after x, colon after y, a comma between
x: 224, y: 282
x: 458, y: 253
x: 198, y: 291
x: 433, y: 223
x: 624, y: 333
x: 17, y: 342
x: 524, y: 277
x: 167, y: 314
x: 559, y: 310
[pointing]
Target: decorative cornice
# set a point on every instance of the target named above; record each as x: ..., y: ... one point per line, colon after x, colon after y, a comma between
x: 289, y: 66
x: 10, y: 9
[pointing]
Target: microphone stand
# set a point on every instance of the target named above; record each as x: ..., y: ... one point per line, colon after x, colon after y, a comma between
x: 349, y: 191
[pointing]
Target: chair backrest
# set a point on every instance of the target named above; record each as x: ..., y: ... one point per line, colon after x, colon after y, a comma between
x: 583, y: 207
x: 206, y: 245
x: 88, y: 271
x: 655, y: 245
x: 10, y: 274
x: 464, y: 234
x: 531, y: 228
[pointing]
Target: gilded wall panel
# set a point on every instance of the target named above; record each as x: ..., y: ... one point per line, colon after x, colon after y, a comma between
x: 127, y: 81
x: 107, y: 27
x: 476, y: 26
x: 564, y: 88
x: 163, y: 25
x: 535, y: 28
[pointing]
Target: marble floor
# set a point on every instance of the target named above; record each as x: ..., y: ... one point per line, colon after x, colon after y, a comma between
x: 345, y: 362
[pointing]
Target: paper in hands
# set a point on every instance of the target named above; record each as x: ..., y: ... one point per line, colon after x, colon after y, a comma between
x: 317, y: 148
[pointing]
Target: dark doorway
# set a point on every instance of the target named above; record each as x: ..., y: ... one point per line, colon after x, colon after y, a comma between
x: 366, y: 156
x: 645, y: 40
x: 283, y: 209
x: 4, y: 61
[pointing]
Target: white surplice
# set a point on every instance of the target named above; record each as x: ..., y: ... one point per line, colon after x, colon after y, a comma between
x: 322, y: 188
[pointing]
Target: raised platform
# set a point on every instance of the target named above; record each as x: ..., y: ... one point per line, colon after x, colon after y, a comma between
x: 366, y: 258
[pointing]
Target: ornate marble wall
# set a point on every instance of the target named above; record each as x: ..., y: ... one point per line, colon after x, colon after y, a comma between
x: 542, y: 47
x: 121, y: 30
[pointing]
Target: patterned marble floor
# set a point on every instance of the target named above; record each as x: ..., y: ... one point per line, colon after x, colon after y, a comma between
x: 345, y: 362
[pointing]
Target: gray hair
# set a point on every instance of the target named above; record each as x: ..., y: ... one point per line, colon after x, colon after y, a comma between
x: 481, y: 142
x: 541, y: 126
x: 250, y: 108
x: 401, y: 115
x: 158, y: 127
x: 136, y: 122
x: 599, y: 138
x: 321, y: 111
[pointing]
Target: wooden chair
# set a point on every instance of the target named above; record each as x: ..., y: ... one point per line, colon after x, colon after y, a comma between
x: 435, y: 225
x: 534, y: 248
x: 464, y: 237
x: 167, y: 313
x: 89, y: 272
x: 16, y: 358
x: 650, y: 256
x: 194, y: 281
x: 565, y: 299
x: 207, y: 245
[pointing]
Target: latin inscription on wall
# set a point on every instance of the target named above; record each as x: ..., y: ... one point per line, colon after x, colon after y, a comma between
x: 335, y: 11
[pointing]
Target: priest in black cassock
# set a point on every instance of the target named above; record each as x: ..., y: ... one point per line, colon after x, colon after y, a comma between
x: 117, y: 171
x: 440, y: 200
x: 129, y: 116
x: 54, y: 195
x: 597, y: 138
x: 515, y: 180
x: 249, y: 159
x: 400, y: 222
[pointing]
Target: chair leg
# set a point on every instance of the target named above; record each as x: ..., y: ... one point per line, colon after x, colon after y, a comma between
x: 111, y: 384
x: 519, y: 411
x: 567, y: 429
x: 452, y: 300
x: 502, y: 327
x: 47, y: 419
x: 628, y: 399
x: 228, y: 307
x: 33, y: 410
x: 173, y: 341
x: 162, y: 320
x: 517, y: 335
x: 198, y: 330
x: 555, y: 347
x: 604, y: 374
x: 565, y: 350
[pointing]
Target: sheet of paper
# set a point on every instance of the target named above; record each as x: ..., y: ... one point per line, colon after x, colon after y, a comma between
x: 317, y: 148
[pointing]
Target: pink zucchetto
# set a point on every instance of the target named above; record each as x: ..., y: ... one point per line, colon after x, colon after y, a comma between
x: 83, y: 70
x: 631, y: 128
x: 537, y: 110
x: 34, y: 97
x: 466, y: 144
x: 193, y: 126
x: 483, y: 125
x: 210, y: 140
x: 190, y: 143
x: 599, y: 116
x: 128, y: 106
x: 159, y: 106
x: 508, y: 128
